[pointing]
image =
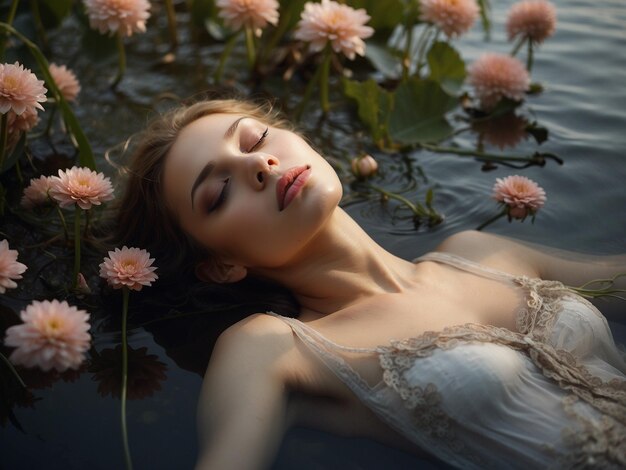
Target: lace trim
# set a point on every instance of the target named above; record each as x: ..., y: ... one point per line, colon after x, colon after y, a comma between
x: 558, y: 365
x: 598, y: 444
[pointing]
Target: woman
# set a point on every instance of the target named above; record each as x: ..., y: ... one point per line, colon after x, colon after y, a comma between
x: 466, y: 353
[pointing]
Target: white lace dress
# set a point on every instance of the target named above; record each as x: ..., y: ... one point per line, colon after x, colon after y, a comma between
x: 552, y: 395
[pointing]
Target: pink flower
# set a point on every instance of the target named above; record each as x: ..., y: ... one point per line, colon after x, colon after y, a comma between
x: 20, y: 90
x: 495, y: 76
x: 128, y: 267
x: 113, y: 16
x: 18, y: 124
x: 522, y: 195
x: 453, y: 17
x: 10, y: 268
x: 252, y: 13
x: 364, y: 166
x: 338, y: 24
x: 53, y: 336
x: 80, y: 186
x: 534, y: 19
x: 36, y: 194
x: 66, y: 81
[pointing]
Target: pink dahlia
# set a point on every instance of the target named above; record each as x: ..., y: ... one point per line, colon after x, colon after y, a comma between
x: 20, y: 90
x: 522, y: 195
x: 113, y: 16
x: 10, y: 268
x: 495, y: 76
x: 453, y: 17
x: 66, y: 81
x: 255, y: 14
x: 342, y: 26
x: 36, y: 194
x: 534, y: 19
x: 128, y: 267
x: 81, y: 186
x: 53, y: 336
x: 18, y: 124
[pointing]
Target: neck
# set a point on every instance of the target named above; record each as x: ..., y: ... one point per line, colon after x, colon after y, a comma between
x: 340, y: 266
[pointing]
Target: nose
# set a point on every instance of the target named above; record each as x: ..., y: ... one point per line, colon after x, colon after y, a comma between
x: 258, y: 168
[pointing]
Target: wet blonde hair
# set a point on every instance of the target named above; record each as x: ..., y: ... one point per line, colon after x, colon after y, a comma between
x: 143, y: 219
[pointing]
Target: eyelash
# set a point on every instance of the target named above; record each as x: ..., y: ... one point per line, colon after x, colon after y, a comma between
x: 222, y: 197
x: 260, y: 141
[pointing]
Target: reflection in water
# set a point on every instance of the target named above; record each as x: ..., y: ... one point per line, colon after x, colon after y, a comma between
x: 503, y: 131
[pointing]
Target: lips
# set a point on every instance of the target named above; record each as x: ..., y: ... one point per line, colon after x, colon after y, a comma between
x: 290, y: 184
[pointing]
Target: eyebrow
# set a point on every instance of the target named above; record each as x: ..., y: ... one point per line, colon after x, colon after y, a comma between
x: 208, y: 168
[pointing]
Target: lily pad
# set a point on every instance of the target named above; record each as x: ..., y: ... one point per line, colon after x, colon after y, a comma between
x: 446, y: 67
x: 373, y: 106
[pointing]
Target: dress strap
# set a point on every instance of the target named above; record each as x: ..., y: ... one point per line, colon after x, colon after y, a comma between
x: 466, y: 265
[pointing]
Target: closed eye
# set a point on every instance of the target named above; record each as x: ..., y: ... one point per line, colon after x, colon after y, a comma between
x: 260, y: 141
x: 221, y: 198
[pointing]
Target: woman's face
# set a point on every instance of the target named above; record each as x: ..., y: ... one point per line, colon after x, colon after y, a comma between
x: 252, y: 194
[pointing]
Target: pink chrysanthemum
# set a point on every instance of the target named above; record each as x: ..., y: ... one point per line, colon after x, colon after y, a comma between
x: 36, y: 194
x: 112, y: 16
x: 53, y: 336
x: 255, y: 14
x: 495, y: 76
x: 522, y: 195
x: 10, y: 268
x: 453, y: 17
x: 128, y: 267
x: 20, y: 90
x: 342, y: 26
x: 66, y: 81
x: 81, y: 186
x: 18, y: 124
x: 534, y: 19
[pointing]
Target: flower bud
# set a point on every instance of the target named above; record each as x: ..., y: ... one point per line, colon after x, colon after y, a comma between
x: 364, y: 166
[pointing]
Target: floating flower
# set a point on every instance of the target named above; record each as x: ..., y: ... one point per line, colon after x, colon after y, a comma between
x: 81, y: 186
x: 495, y: 76
x: 342, y: 26
x: 255, y: 14
x: 10, y: 268
x: 453, y: 17
x: 128, y: 267
x: 522, y: 195
x: 53, y: 336
x: 533, y: 19
x: 20, y: 90
x: 112, y: 16
x: 364, y: 166
x: 66, y: 81
x: 36, y: 194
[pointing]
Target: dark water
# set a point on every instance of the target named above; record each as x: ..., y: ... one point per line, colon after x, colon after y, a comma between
x: 70, y: 425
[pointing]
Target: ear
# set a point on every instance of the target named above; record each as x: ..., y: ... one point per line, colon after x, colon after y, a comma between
x: 213, y: 270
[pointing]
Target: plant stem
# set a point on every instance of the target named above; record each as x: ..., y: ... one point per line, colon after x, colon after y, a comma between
x: 76, y: 246
x: 4, y: 133
x: 406, y: 59
x: 250, y: 48
x: 127, y: 458
x: 217, y: 77
x: 493, y: 219
x: 307, y: 94
x: 50, y: 121
x: 417, y: 209
x: 41, y: 31
x: 422, y: 43
x: 12, y: 369
x: 62, y: 217
x: 171, y: 22
x: 325, y: 72
x: 474, y: 153
x: 18, y: 172
x: 121, y: 62
x: 518, y: 45
x: 4, y: 36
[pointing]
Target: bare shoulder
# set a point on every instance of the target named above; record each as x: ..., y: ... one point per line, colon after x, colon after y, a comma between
x: 495, y: 251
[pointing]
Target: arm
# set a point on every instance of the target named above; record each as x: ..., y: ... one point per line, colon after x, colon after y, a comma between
x: 524, y: 258
x: 241, y: 411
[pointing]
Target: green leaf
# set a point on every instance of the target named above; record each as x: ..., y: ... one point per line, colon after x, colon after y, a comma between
x: 373, y: 106
x: 383, y: 60
x: 85, y: 153
x: 446, y: 67
x: 418, y: 115
x: 384, y: 15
